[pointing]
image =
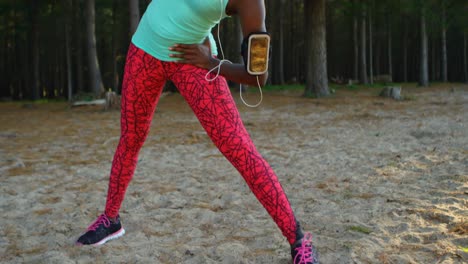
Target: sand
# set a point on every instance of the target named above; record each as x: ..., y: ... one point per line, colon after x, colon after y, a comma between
x: 374, y: 180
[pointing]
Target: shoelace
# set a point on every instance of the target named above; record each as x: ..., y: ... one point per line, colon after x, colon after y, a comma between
x: 304, y: 252
x: 102, y: 219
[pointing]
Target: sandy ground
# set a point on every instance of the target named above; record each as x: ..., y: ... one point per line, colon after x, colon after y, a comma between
x: 375, y: 180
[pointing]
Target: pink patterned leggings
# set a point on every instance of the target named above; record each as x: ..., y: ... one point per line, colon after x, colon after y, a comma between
x: 215, y: 108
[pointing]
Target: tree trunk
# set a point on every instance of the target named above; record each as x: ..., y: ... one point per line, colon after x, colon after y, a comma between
x: 14, y: 75
x: 378, y: 56
x: 95, y: 79
x: 277, y: 69
x: 356, y: 47
x: 3, y: 55
x: 78, y: 46
x: 281, y: 42
x: 433, y: 60
x: 239, y: 35
x: 115, y: 44
x: 134, y: 10
x: 371, y: 56
x: 465, y: 59
x: 333, y: 69
x: 239, y: 38
x: 69, y: 9
x: 405, y: 52
x: 316, y: 76
x: 35, y: 85
x: 424, y: 72
x: 444, y: 44
x: 297, y: 47
x: 363, y: 67
x: 390, y: 49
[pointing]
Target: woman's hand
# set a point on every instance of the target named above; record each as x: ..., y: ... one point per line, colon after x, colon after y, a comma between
x: 195, y: 54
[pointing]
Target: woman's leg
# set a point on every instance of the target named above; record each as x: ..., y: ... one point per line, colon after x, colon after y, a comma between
x: 143, y: 82
x: 216, y: 110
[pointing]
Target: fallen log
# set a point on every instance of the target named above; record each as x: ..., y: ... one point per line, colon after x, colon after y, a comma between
x: 92, y: 102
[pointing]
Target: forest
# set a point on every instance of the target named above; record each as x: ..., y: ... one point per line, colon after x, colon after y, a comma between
x: 55, y: 49
x: 374, y: 180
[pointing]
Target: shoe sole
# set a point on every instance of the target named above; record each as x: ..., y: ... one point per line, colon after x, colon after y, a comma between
x: 115, y: 235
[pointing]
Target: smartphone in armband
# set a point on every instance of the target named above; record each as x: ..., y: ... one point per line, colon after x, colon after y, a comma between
x: 258, y: 53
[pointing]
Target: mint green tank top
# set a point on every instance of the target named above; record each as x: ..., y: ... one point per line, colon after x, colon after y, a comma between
x: 167, y: 22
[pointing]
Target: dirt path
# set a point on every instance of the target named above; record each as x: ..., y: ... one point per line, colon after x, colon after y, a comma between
x: 375, y: 180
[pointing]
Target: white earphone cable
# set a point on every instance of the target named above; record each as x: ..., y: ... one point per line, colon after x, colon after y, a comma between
x: 222, y: 61
x: 261, y: 95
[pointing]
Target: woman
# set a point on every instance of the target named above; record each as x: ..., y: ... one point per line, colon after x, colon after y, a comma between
x: 162, y: 49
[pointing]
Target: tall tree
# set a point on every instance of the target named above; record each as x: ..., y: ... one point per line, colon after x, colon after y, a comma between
x: 465, y: 59
x: 444, y: 40
x: 363, y: 77
x: 389, y: 46
x: 68, y: 15
x: 424, y: 70
x: 94, y: 72
x: 276, y: 28
x: 407, y: 11
x: 405, y: 49
x: 78, y: 45
x: 371, y: 65
x: 134, y: 9
x: 458, y: 10
x: 356, y: 46
x: 316, y: 76
x: 35, y: 85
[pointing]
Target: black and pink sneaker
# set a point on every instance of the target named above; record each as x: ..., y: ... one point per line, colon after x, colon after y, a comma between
x: 303, y: 252
x: 101, y: 231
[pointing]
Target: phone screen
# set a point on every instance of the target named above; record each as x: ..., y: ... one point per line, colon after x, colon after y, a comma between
x: 258, y: 54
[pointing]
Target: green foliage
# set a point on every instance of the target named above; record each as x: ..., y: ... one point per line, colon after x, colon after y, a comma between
x: 310, y: 94
x: 27, y: 103
x: 457, y: 14
x: 360, y: 229
x: 283, y: 87
x: 408, y: 98
x: 83, y: 96
x: 356, y: 87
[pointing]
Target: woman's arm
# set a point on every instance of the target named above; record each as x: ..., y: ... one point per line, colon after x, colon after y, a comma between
x: 252, y: 18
